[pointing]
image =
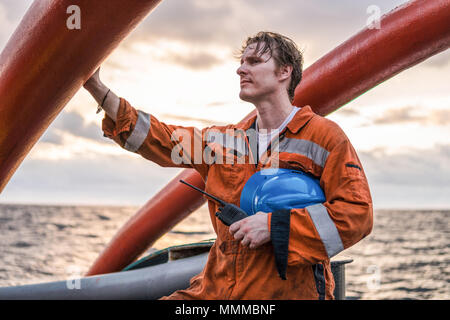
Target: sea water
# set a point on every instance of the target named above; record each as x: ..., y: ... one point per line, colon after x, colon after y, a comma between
x: 407, y: 255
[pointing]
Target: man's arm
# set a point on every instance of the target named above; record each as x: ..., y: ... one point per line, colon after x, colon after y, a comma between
x: 139, y: 132
x: 98, y: 90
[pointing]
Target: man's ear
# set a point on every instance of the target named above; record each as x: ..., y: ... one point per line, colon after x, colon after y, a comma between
x: 284, y: 72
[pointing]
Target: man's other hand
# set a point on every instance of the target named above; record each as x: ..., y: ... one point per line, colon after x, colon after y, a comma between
x: 253, y: 230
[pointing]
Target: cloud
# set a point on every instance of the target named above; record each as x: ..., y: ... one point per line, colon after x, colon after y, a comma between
x: 74, y: 124
x: 228, y: 23
x: 414, y: 115
x: 15, y: 10
x: 419, y: 168
x: 413, y: 179
x: 401, y: 115
x: 440, y: 117
x: 114, y: 180
x: 438, y: 61
x: 216, y: 104
x: 192, y: 60
x: 317, y: 25
x: 409, y: 179
x: 189, y: 21
x: 53, y: 136
x: 200, y: 23
x: 205, y: 122
x: 11, y: 12
x: 347, y: 112
x: 6, y: 27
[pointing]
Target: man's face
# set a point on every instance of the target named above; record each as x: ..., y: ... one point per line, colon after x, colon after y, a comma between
x: 258, y: 75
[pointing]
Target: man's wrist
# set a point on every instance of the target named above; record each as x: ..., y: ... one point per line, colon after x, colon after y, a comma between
x: 94, y: 86
x: 97, y: 89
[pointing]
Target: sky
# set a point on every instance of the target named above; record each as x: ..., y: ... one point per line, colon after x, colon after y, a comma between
x: 179, y: 65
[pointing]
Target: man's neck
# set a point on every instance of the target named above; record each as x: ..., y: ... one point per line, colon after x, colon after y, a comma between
x: 272, y: 112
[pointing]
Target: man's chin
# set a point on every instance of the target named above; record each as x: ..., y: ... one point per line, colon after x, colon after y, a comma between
x: 245, y: 96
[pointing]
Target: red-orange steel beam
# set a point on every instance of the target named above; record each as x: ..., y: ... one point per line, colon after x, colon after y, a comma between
x: 45, y: 63
x: 158, y: 216
x: 408, y: 35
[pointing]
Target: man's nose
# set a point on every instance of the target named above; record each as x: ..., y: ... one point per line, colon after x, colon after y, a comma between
x: 241, y: 70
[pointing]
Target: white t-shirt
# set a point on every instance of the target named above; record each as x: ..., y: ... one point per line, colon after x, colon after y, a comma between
x: 266, y: 135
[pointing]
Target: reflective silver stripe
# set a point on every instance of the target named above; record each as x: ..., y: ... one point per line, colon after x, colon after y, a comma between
x: 140, y: 132
x: 227, y: 141
x: 326, y: 228
x: 306, y: 148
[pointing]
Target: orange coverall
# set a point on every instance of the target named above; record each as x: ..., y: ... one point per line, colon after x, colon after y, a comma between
x: 295, y: 264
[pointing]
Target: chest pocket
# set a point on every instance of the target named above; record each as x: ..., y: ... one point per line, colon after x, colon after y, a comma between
x: 224, y: 148
x: 295, y: 163
x: 227, y: 170
x: 304, y: 155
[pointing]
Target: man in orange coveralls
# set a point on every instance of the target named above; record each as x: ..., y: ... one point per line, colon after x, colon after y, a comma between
x: 277, y: 255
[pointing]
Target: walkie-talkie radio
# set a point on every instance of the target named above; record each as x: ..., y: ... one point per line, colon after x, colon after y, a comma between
x: 228, y: 213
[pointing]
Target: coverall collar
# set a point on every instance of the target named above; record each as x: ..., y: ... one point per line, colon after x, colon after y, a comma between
x: 300, y: 119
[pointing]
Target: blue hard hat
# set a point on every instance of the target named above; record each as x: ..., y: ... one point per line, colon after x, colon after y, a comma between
x: 274, y: 189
